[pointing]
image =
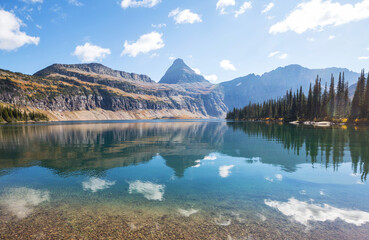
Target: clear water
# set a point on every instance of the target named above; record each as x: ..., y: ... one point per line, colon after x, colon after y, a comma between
x: 183, y: 180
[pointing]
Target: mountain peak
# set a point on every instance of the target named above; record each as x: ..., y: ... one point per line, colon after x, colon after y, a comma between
x: 180, y: 73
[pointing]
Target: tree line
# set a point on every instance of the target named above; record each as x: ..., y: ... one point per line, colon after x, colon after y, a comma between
x: 11, y: 114
x: 321, y: 103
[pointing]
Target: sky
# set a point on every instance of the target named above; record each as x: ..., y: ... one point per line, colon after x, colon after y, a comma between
x: 221, y: 39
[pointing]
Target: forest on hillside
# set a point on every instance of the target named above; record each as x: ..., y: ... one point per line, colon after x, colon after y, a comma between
x: 321, y: 103
x: 12, y: 114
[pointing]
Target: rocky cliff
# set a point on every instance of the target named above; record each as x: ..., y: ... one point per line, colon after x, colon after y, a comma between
x: 93, y: 91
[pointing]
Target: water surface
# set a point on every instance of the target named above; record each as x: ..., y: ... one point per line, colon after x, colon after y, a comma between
x: 183, y: 180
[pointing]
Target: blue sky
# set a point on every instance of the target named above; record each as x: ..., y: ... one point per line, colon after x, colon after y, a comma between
x: 223, y: 39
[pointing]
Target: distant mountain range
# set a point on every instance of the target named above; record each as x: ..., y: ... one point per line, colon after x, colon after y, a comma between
x: 96, y: 92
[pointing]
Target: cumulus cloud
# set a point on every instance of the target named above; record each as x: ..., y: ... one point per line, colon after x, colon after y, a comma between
x: 146, y: 43
x: 11, y: 37
x: 96, y: 184
x: 136, y: 3
x: 268, y: 8
x: 227, y: 65
x: 150, y: 191
x: 187, y: 213
x: 303, y: 212
x: 212, y: 78
x: 91, y: 53
x: 184, y: 16
x: 21, y: 201
x: 225, y: 171
x: 243, y: 8
x: 223, y: 4
x: 317, y: 14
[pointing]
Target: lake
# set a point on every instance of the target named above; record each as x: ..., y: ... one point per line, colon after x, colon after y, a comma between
x: 183, y: 180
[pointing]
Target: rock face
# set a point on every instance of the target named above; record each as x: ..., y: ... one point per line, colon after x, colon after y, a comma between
x: 180, y: 73
x: 90, y: 87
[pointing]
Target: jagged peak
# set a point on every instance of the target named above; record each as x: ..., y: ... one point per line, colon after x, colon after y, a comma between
x: 180, y: 73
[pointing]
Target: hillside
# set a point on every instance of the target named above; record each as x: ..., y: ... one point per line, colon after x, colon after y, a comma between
x: 95, y: 92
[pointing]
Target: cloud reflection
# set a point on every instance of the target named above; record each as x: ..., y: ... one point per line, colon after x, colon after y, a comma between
x: 225, y: 170
x: 304, y: 212
x: 21, y: 201
x: 95, y: 184
x: 187, y: 213
x: 149, y: 190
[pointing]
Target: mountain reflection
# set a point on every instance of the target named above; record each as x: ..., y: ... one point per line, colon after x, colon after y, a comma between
x: 91, y: 149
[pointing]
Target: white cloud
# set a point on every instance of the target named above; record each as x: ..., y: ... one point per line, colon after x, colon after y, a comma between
x: 172, y: 58
x: 311, y: 39
x: 33, y: 1
x: 146, y: 43
x: 368, y: 48
x: 270, y: 17
x: 187, y: 213
x: 331, y: 37
x: 227, y: 65
x: 184, y: 16
x: 268, y: 8
x: 212, y: 78
x: 283, y: 56
x: 91, y: 53
x: 160, y: 25
x: 95, y: 184
x: 197, y: 71
x: 11, y: 37
x: 317, y: 14
x: 363, y: 58
x: 272, y: 54
x: 303, y: 212
x: 150, y: 191
x: 279, y: 177
x: 21, y: 201
x: 211, y: 157
x: 225, y: 171
x: 136, y: 3
x: 223, y: 4
x: 269, y: 179
x: 243, y: 8
x: 75, y: 3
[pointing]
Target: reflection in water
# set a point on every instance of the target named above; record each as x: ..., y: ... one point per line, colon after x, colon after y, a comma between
x: 328, y: 145
x: 225, y: 170
x: 20, y: 202
x: 304, y: 212
x: 188, y: 212
x: 95, y: 184
x: 150, y: 191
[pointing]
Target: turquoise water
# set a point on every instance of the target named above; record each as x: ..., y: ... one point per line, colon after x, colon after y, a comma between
x: 183, y: 180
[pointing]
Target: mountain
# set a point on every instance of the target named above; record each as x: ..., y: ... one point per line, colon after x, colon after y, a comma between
x: 255, y: 88
x: 95, y: 92
x: 180, y: 73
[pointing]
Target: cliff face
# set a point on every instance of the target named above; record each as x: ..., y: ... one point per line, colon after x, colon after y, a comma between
x: 61, y: 89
